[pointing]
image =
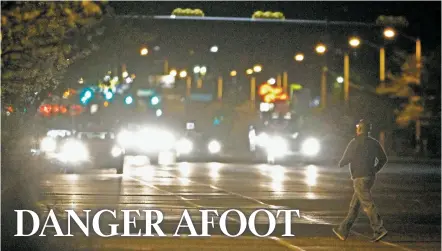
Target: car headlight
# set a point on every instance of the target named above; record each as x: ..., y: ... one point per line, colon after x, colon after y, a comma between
x: 184, y: 146
x: 74, y: 151
x: 124, y: 138
x: 263, y: 139
x: 214, y: 146
x: 277, y: 146
x: 116, y: 151
x: 152, y: 139
x: 48, y: 144
x: 310, y: 147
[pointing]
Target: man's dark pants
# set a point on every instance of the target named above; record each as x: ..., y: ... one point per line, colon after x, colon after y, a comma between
x: 362, y: 197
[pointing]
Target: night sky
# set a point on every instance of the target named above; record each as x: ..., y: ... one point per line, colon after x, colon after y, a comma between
x: 424, y: 17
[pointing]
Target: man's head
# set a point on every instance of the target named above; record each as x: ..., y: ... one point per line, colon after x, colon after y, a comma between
x: 363, y: 128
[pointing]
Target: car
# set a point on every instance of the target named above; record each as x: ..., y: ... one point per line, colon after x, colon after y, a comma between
x: 84, y: 150
x: 197, y: 144
x: 278, y: 140
x: 150, y: 139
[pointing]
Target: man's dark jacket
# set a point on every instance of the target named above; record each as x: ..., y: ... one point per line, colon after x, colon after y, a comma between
x: 361, y: 154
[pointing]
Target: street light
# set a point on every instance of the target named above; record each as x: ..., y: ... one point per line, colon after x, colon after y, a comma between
x: 271, y: 81
x: 340, y: 79
x: 389, y: 33
x: 320, y: 48
x: 144, y: 51
x: 233, y: 73
x: 81, y: 81
x: 299, y: 57
x: 249, y: 71
x: 257, y: 68
x: 173, y: 73
x: 214, y: 49
x: 183, y: 74
x: 196, y: 69
x: 354, y: 42
x: 203, y: 70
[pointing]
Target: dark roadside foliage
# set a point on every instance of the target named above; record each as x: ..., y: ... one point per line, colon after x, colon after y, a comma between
x: 20, y: 176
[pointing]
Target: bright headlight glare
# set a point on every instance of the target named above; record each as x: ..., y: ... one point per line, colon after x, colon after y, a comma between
x: 74, y: 151
x: 48, y: 144
x: 277, y: 146
x: 184, y: 146
x: 116, y: 151
x: 124, y: 138
x: 153, y: 139
x: 263, y: 139
x: 214, y: 146
x: 310, y: 147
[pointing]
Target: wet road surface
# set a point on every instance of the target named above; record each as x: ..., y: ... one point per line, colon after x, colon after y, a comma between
x: 407, y: 196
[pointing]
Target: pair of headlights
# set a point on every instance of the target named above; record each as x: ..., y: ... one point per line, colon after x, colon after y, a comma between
x: 185, y: 146
x: 278, y: 145
x: 147, y: 139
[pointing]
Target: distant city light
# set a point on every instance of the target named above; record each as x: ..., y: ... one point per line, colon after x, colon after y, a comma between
x: 144, y: 51
x: 233, y: 73
x: 159, y: 112
x: 125, y: 74
x: 196, y: 69
x: 340, y: 79
x: 183, y: 74
x: 299, y: 57
x: 203, y: 70
x: 128, y: 100
x: 389, y: 33
x: 354, y: 42
x: 257, y: 68
x: 173, y: 73
x: 320, y: 48
x: 109, y: 95
x: 214, y: 49
x: 129, y: 80
x: 271, y: 81
x: 249, y: 71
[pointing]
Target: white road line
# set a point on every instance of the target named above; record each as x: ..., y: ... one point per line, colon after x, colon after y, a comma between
x: 277, y: 240
x: 385, y: 242
x: 305, y: 217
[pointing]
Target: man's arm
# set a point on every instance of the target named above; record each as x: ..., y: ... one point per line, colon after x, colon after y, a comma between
x: 348, y: 154
x: 381, y: 156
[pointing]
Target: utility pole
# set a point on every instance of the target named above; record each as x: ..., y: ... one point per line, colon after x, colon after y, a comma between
x: 220, y: 88
x: 252, y: 92
x: 324, y: 87
x: 346, y: 78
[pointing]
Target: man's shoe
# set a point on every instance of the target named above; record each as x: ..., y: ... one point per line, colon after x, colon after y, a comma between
x: 379, y: 236
x: 341, y: 236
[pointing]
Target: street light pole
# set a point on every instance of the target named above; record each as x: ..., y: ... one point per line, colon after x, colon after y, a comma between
x: 220, y: 88
x: 252, y: 92
x: 346, y: 77
x: 278, y: 80
x: 285, y: 82
x: 324, y: 87
x: 188, y: 85
x: 382, y: 66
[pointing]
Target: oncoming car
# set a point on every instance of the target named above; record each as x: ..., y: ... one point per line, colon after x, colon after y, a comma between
x: 277, y: 141
x: 154, y: 141
x: 195, y: 143
x: 86, y: 150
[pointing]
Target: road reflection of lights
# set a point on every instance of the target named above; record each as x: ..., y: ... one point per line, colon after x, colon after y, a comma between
x: 311, y: 175
x: 72, y: 177
x: 277, y: 187
x: 147, y: 173
x: 311, y: 196
x: 184, y: 181
x: 277, y: 173
x: 185, y: 169
x: 215, y: 167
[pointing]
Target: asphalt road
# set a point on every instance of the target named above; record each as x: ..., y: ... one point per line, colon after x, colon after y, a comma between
x: 407, y: 195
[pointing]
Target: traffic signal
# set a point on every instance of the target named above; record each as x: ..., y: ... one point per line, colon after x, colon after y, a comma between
x: 108, y: 95
x: 86, y: 96
x: 155, y: 100
x: 128, y: 100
